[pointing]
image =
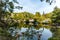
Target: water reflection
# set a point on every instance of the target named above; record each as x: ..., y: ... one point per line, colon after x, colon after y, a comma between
x: 56, y: 33
x: 46, y: 34
x: 31, y: 33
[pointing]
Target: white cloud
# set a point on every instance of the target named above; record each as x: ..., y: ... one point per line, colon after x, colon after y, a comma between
x: 33, y: 6
x: 58, y: 3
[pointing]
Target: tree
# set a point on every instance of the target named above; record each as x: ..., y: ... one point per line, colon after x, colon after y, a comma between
x: 56, y: 16
x: 6, y: 6
x: 37, y: 14
x: 56, y: 34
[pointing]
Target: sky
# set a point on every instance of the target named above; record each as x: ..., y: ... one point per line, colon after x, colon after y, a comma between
x: 33, y: 6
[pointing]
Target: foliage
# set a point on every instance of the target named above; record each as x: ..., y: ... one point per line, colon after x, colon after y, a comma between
x: 7, y: 21
x: 20, y: 17
x: 54, y: 38
x: 4, y: 35
x: 55, y: 21
x: 56, y: 16
x: 6, y: 8
x: 56, y: 34
x: 48, y: 1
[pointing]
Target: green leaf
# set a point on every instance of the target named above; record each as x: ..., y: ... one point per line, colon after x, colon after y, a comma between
x: 11, y: 5
x: 18, y: 7
x: 11, y: 10
x: 15, y: 1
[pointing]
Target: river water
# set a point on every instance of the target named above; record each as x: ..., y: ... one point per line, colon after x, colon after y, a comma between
x: 26, y: 33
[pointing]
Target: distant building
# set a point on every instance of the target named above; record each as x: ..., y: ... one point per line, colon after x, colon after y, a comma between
x: 31, y: 20
x: 46, y: 21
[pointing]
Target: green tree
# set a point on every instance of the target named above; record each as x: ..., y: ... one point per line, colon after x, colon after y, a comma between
x: 56, y: 16
x: 37, y: 14
x: 6, y: 6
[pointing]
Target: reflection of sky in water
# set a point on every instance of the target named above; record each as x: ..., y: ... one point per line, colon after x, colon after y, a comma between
x: 45, y: 34
x: 23, y: 29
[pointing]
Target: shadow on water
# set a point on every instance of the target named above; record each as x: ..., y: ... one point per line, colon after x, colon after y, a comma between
x: 31, y: 33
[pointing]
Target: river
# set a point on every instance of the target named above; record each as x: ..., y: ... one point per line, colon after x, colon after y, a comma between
x: 31, y: 33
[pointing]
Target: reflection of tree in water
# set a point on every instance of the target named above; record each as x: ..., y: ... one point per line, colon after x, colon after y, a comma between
x: 56, y: 34
x: 31, y: 33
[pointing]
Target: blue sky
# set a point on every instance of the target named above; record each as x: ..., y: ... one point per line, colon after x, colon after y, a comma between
x: 33, y: 6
